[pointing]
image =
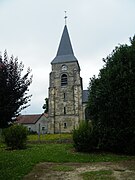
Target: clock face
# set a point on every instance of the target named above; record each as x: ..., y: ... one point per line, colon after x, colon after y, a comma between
x: 64, y: 68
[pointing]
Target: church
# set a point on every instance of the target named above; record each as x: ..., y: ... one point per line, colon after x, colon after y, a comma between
x: 67, y: 99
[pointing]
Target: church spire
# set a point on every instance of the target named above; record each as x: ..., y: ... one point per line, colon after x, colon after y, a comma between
x: 65, y: 51
x: 65, y: 47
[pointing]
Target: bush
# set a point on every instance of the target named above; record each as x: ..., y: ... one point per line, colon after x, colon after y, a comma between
x: 84, y: 137
x: 15, y: 137
x: 116, y: 140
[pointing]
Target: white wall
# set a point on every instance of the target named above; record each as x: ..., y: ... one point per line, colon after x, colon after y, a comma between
x: 40, y: 126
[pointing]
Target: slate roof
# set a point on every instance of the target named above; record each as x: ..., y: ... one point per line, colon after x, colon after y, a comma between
x: 65, y: 51
x: 85, y: 96
x: 29, y: 119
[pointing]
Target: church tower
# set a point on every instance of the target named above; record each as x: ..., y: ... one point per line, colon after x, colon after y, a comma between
x: 65, y: 89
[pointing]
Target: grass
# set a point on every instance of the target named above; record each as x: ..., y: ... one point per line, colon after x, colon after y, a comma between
x: 98, y: 175
x: 44, y: 137
x: 15, y: 164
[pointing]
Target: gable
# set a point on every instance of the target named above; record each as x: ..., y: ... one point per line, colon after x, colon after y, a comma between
x: 28, y: 119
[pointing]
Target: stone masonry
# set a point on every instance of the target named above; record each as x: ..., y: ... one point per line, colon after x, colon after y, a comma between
x: 66, y: 108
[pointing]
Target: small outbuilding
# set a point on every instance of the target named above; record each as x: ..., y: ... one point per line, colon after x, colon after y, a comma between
x: 37, y: 123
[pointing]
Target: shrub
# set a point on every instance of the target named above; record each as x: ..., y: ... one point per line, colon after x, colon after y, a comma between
x: 84, y: 137
x: 126, y: 141
x: 15, y: 137
x: 117, y: 140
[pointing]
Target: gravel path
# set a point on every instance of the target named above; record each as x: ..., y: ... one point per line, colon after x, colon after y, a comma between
x: 124, y: 170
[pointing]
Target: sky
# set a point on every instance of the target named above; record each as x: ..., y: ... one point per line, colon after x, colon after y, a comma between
x: 32, y: 29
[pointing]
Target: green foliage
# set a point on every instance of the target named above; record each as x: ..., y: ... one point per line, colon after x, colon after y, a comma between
x: 84, y: 137
x: 13, y: 89
x: 15, y: 137
x: 112, y: 101
x: 46, y: 106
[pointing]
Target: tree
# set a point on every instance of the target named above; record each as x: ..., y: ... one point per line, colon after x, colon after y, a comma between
x: 46, y: 106
x: 13, y: 89
x: 112, y: 100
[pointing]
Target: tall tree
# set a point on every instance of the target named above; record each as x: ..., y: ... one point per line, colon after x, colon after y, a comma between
x: 13, y: 89
x: 112, y: 100
x: 46, y: 106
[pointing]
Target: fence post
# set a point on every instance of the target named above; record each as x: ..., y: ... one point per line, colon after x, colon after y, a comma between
x: 39, y: 132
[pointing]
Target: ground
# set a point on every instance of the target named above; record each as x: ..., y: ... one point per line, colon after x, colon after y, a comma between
x: 123, y: 170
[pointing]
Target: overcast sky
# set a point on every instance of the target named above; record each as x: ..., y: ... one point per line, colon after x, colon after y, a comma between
x: 31, y: 30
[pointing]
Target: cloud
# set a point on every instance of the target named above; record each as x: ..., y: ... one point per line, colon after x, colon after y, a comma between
x: 32, y: 29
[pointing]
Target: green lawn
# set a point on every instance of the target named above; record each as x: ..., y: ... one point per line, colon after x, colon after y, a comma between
x: 15, y: 164
x: 47, y: 137
x: 98, y: 175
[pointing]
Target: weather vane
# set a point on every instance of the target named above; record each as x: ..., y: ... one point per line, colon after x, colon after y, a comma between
x: 65, y: 17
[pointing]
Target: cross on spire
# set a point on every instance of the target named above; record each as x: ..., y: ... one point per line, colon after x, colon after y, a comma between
x: 65, y: 17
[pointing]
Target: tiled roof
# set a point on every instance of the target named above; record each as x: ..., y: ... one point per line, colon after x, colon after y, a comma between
x: 65, y: 51
x: 29, y: 119
x: 85, y: 96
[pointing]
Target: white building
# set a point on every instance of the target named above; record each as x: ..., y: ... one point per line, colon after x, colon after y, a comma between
x: 34, y: 122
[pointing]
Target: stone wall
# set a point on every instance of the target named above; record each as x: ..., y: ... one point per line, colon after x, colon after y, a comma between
x: 65, y: 102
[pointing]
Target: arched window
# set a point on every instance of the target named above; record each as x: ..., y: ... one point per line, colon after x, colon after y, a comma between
x: 63, y: 80
x: 65, y: 125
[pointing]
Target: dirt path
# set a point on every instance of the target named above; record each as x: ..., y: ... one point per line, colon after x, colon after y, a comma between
x: 124, y: 170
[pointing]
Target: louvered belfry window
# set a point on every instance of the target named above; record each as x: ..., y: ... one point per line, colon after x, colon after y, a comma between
x: 63, y: 80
